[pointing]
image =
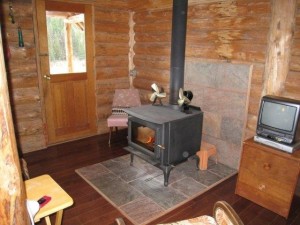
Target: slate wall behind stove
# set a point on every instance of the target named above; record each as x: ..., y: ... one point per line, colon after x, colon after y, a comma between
x: 221, y: 90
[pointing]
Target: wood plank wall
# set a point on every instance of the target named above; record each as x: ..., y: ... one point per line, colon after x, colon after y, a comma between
x: 22, y: 76
x: 293, y: 78
x: 219, y: 30
x: 230, y: 31
x: 111, y: 55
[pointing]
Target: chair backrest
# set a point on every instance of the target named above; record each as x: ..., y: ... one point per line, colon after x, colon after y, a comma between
x: 126, y: 98
x: 224, y: 214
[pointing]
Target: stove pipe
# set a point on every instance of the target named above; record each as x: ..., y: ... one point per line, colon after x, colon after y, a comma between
x: 179, y: 21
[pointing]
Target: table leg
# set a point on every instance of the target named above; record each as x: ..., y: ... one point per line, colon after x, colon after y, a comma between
x: 47, y: 219
x: 58, y: 218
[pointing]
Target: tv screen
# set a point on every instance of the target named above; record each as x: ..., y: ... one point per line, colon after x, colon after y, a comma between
x: 278, y: 119
x: 278, y: 116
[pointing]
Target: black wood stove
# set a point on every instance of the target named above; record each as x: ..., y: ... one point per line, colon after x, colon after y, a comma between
x: 164, y: 136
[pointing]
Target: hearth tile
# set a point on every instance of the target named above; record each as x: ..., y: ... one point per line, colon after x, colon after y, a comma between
x: 233, y: 105
x: 142, y: 209
x: 221, y: 170
x: 212, y: 98
x: 206, y: 178
x: 188, y: 186
x: 166, y: 197
x: 189, y: 166
x: 115, y: 189
x: 116, y: 166
x: 175, y: 175
x: 123, y: 169
x: 231, y: 130
x: 233, y: 76
x: 93, y: 171
x: 147, y: 167
x: 201, y: 73
x: 212, y: 124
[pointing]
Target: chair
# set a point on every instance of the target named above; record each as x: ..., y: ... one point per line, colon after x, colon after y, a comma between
x: 223, y: 214
x: 24, y: 169
x: 123, y: 98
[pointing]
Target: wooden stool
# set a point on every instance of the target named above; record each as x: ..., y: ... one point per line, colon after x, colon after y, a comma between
x: 204, y: 153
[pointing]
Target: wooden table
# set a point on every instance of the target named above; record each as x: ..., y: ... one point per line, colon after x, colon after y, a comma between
x: 44, y: 185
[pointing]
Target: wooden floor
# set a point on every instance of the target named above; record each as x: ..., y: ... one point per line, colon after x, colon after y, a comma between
x: 91, y: 209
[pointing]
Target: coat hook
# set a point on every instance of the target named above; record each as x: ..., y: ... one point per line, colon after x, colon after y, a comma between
x: 11, y: 12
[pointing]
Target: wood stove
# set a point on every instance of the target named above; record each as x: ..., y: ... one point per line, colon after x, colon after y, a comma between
x: 173, y: 135
x: 164, y: 136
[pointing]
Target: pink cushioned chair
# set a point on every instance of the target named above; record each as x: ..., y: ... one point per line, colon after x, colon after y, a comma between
x: 123, y: 98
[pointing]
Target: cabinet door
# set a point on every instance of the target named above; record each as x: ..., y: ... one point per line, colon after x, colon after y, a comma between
x: 267, y: 179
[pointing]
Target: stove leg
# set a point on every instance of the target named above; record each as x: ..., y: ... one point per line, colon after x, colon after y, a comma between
x: 197, y: 161
x: 166, y: 170
x: 131, y: 159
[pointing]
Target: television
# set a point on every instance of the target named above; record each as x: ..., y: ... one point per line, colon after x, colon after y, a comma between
x: 278, y: 119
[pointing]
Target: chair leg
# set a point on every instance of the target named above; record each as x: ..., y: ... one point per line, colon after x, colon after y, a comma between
x: 110, y: 130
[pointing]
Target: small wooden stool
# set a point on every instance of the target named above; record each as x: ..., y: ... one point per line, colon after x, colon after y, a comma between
x: 204, y: 153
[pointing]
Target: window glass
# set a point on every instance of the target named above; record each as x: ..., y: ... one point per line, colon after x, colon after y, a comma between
x: 66, y: 43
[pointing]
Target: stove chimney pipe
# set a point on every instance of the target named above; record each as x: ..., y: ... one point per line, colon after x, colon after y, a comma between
x: 179, y: 21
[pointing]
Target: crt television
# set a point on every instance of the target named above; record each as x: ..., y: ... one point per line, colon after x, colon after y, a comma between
x: 278, y: 119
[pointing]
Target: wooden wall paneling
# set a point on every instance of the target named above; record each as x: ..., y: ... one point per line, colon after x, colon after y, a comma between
x: 111, y: 61
x: 111, y: 51
x: 106, y: 73
x: 113, y: 5
x: 157, y: 62
x: 31, y: 143
x: 291, y: 86
x: 22, y: 73
x: 24, y: 81
x: 111, y: 16
x: 32, y: 127
x: 104, y: 37
x: 234, y: 31
x: 151, y: 5
x: 12, y: 191
x: 152, y: 50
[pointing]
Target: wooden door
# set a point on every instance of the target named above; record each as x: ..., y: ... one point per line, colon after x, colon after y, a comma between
x: 69, y: 97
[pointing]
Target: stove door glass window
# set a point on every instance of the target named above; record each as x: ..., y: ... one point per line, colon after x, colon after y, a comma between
x: 143, y: 136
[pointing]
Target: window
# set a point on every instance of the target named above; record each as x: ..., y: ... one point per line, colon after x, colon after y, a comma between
x: 66, y: 42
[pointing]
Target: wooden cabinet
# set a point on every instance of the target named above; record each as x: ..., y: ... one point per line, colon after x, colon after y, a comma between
x: 268, y: 176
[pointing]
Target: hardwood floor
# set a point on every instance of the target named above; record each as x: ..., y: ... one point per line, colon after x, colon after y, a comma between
x: 90, y: 208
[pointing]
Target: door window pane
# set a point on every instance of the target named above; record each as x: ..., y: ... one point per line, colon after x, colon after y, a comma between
x: 66, y: 42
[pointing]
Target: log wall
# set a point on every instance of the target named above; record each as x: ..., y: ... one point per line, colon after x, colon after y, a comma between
x: 291, y: 88
x: 22, y: 76
x: 111, y: 57
x: 223, y: 31
x: 218, y: 31
x: 111, y: 65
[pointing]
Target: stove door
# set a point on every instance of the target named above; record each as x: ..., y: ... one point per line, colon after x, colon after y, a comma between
x: 144, y: 136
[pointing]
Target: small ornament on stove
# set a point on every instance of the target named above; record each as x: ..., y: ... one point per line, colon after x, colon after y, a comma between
x: 157, y: 94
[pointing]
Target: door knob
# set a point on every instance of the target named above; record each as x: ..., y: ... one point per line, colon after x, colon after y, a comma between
x: 47, y: 77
